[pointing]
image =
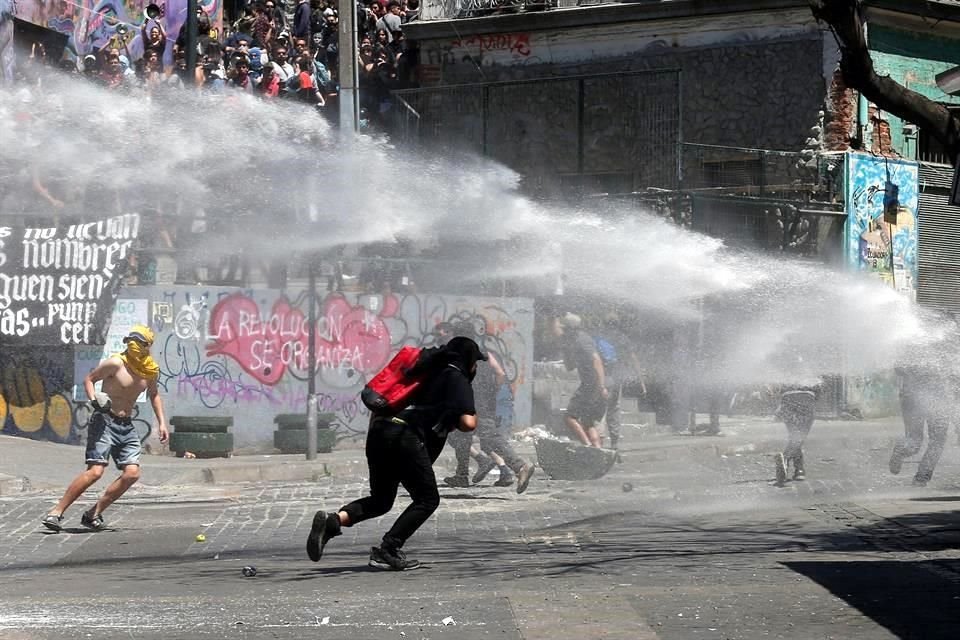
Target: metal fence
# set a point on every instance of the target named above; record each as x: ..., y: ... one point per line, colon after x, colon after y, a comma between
x: 736, y: 170
x: 602, y: 133
x: 457, y: 9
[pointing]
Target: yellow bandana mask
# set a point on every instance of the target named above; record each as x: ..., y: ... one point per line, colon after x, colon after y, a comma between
x: 137, y: 355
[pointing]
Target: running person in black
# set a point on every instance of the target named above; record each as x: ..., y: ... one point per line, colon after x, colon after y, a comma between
x: 798, y: 405
x: 401, y: 450
x: 926, y: 400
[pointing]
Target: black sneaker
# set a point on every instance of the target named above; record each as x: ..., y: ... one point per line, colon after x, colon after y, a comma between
x: 94, y: 522
x: 52, y: 522
x: 459, y: 482
x: 523, y: 476
x: 780, y: 467
x: 506, y: 478
x: 896, y: 462
x: 391, y: 559
x: 921, y: 481
x: 325, y: 526
x: 486, y: 467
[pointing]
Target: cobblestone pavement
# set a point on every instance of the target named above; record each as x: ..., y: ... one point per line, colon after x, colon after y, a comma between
x: 694, y: 544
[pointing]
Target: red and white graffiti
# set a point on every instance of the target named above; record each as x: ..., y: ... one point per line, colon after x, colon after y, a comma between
x: 516, y: 43
x: 347, y: 338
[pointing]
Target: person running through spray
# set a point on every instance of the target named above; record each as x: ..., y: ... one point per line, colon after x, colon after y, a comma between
x: 926, y: 398
x: 589, y: 402
x: 493, y: 434
x: 797, y: 410
x: 621, y: 366
x: 110, y: 430
x: 401, y: 450
x: 462, y: 442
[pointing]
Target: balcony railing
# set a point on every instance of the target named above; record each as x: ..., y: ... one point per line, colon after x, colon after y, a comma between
x: 458, y: 9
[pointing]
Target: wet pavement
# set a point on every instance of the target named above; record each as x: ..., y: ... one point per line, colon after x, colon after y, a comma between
x: 688, y: 538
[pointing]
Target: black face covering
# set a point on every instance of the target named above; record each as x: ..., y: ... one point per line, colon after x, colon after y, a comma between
x: 464, y: 354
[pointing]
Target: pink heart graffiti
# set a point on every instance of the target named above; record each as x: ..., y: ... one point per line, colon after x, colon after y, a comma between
x: 349, y: 337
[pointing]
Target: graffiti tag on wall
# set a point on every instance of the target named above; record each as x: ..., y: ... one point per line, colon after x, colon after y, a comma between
x: 244, y: 353
x: 349, y: 338
x: 56, y: 280
x: 516, y: 43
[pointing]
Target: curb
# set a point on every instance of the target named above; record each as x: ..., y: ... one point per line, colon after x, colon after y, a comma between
x: 301, y: 471
x: 311, y: 471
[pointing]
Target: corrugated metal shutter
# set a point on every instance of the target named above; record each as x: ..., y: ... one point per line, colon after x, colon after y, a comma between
x: 935, y: 176
x: 938, y: 246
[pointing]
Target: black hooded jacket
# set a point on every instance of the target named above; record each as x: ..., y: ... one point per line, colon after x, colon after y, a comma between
x: 446, y: 393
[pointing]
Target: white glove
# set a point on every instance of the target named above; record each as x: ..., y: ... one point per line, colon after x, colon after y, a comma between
x: 101, y: 401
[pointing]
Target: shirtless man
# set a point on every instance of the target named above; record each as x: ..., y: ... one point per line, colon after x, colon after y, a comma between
x: 110, y: 431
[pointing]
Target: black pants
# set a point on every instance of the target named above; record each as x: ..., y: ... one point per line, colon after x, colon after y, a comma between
x: 797, y: 432
x: 798, y: 411
x: 396, y: 455
x: 461, y: 441
x: 938, y: 427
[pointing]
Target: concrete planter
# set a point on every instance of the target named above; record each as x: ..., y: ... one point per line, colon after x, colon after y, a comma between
x: 201, y: 424
x: 291, y: 433
x: 286, y: 421
x: 203, y: 436
x: 202, y: 445
x: 295, y: 440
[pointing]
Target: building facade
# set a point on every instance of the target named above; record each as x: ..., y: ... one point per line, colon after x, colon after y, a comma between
x: 737, y: 109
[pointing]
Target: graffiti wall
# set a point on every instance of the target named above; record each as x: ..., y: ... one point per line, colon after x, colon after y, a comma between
x: 35, y: 394
x: 880, y: 240
x: 474, y: 57
x: 90, y: 24
x: 41, y: 390
x: 59, y: 283
x: 876, y: 395
x: 245, y: 353
x: 884, y: 245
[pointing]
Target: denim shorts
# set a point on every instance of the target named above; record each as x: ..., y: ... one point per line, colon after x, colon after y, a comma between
x: 109, y: 436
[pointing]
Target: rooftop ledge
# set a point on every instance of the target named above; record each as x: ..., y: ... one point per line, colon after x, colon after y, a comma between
x: 539, y: 16
x: 594, y: 14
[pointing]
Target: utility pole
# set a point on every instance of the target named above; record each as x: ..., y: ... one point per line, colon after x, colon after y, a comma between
x: 192, y: 37
x: 349, y: 121
x: 312, y: 355
x: 349, y: 80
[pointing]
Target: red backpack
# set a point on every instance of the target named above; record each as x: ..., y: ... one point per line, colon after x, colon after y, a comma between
x: 391, y: 390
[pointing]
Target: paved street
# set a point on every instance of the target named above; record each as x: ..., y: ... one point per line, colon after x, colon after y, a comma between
x: 702, y: 545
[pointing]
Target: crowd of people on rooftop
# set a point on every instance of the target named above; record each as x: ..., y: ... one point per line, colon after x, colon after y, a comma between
x: 270, y: 51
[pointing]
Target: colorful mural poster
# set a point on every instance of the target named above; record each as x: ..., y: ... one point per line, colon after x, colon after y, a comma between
x: 885, y: 245
x: 90, y: 24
